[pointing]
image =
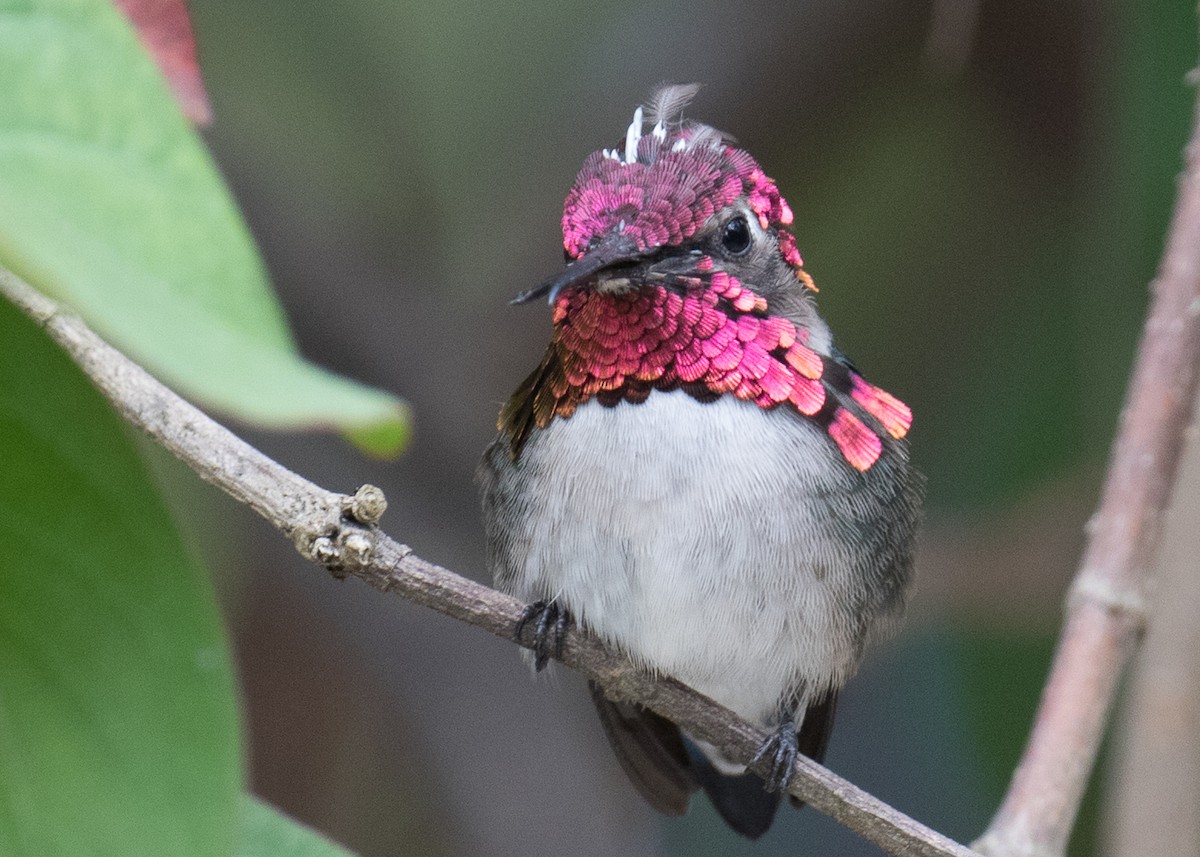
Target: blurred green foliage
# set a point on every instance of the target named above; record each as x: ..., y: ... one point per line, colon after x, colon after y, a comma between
x: 109, y: 201
x: 907, y: 256
x: 120, y: 728
x: 116, y: 687
x: 264, y: 831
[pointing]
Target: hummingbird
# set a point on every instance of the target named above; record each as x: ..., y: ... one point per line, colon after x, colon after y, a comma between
x: 694, y: 472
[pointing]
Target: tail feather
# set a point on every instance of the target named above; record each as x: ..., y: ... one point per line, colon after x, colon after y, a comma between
x: 742, y: 801
x: 666, y: 768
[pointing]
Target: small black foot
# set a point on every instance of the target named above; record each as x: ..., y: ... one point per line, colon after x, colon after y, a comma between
x: 780, y: 750
x: 550, y: 623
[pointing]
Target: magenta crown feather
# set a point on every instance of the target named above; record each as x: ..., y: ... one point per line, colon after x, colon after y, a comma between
x: 664, y: 185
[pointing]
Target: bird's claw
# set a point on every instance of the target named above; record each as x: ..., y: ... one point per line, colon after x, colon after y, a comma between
x: 780, y: 751
x: 550, y: 623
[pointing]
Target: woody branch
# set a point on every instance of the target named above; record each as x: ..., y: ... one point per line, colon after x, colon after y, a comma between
x: 1107, y: 606
x: 341, y: 533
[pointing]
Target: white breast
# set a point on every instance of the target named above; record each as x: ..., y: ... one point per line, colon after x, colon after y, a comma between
x: 694, y: 535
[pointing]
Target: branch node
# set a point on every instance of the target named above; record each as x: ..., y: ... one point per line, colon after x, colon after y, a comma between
x: 322, y: 549
x: 367, y: 505
x: 343, y: 546
x: 356, y: 548
x: 1127, y: 602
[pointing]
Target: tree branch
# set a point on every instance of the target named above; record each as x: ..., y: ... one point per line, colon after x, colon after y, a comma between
x: 1155, y: 783
x: 340, y: 533
x: 1107, y: 606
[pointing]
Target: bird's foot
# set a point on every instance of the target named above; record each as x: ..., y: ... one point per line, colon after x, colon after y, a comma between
x: 780, y: 751
x: 550, y: 623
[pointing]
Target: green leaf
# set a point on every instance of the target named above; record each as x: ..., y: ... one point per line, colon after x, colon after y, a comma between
x: 266, y: 832
x: 119, y: 729
x: 109, y: 201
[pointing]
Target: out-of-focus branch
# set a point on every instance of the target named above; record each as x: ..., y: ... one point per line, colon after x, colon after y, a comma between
x: 340, y: 533
x: 1107, y: 607
x: 1156, y: 782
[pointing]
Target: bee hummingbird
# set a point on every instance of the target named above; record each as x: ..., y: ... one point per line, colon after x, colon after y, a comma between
x: 694, y: 472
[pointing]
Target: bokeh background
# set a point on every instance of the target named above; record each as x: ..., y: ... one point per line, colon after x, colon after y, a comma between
x: 981, y: 188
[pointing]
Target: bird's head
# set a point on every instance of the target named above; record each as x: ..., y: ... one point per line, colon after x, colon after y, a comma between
x: 682, y: 273
x: 674, y: 206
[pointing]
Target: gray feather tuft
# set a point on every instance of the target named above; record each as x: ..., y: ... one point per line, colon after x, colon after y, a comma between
x: 667, y: 103
x: 706, y: 135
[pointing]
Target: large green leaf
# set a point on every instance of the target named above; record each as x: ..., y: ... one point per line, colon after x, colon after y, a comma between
x: 109, y: 201
x: 266, y: 832
x: 118, y: 719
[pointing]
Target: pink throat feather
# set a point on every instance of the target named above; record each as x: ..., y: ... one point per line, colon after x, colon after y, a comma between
x: 715, y: 338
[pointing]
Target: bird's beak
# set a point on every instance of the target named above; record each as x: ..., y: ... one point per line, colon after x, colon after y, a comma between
x: 614, y: 249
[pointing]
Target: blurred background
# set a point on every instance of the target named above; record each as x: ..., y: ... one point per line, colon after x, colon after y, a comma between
x: 981, y: 190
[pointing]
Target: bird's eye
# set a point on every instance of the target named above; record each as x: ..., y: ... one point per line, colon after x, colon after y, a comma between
x: 735, y: 237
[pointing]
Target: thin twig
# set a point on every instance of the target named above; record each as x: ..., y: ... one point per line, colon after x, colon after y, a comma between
x: 1155, y: 784
x: 1106, y: 611
x: 339, y: 532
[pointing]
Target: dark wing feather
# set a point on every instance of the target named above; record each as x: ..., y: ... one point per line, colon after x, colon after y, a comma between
x: 651, y: 752
x: 532, y: 405
x: 813, y: 738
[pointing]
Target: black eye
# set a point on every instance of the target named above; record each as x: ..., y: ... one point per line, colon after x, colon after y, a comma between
x: 735, y: 237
